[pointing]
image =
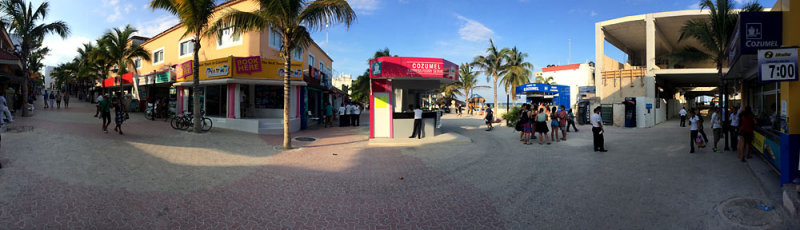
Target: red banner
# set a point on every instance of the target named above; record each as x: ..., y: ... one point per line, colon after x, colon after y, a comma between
x: 127, y: 78
x: 108, y: 82
x: 247, y: 65
x: 384, y: 67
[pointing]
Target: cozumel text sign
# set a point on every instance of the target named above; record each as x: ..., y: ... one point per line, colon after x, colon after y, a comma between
x: 777, y: 64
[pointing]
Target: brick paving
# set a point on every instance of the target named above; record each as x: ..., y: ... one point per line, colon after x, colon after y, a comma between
x: 67, y: 174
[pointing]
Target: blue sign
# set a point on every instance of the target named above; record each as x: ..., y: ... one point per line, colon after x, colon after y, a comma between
x: 586, y: 89
x: 376, y: 68
x: 754, y: 31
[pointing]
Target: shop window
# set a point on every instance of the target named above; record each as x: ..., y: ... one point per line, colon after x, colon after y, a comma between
x: 216, y: 100
x: 268, y: 97
x: 158, y: 56
x: 297, y: 54
x: 226, y: 37
x: 275, y: 39
x: 765, y: 101
x: 186, y: 48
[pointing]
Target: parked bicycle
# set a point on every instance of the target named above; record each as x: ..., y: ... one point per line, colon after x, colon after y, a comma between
x: 186, y: 121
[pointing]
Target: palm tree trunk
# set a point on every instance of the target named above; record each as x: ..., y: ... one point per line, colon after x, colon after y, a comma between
x: 287, y: 58
x: 196, y: 86
x: 495, y: 91
x: 25, y: 92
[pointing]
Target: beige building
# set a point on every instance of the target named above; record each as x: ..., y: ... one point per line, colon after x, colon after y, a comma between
x: 649, y: 75
x: 343, y: 81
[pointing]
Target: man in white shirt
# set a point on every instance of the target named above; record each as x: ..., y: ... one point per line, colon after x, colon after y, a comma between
x: 417, y: 132
x: 693, y: 121
x: 716, y: 126
x: 734, y: 127
x: 356, y: 115
x: 342, y: 117
x: 597, y: 130
x: 683, y: 116
x: 348, y: 113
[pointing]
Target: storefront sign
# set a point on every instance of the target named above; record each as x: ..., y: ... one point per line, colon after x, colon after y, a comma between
x: 413, y: 67
x: 248, y: 65
x: 754, y: 31
x: 274, y: 69
x: 769, y: 148
x: 186, y: 69
x: 162, y: 77
x: 227, y: 68
x: 777, y: 64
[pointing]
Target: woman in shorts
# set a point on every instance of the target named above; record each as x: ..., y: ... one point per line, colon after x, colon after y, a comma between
x: 524, y: 119
x: 554, y: 125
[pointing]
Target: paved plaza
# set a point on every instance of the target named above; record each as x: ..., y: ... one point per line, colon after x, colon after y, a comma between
x: 67, y: 174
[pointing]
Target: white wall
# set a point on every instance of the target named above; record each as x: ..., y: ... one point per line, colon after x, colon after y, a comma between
x: 573, y: 78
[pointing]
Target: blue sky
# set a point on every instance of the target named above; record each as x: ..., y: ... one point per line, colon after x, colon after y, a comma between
x: 456, y: 30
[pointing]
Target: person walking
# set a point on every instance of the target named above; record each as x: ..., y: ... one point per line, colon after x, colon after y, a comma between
x: 683, y: 116
x: 693, y: 127
x: 562, y: 122
x: 733, y: 129
x: 571, y: 121
x: 66, y: 100
x: 119, y: 115
x: 58, y: 100
x: 328, y: 115
x: 597, y: 130
x: 105, y: 112
x: 700, y: 127
x: 46, y: 96
x: 356, y: 115
x: 98, y: 100
x: 554, y: 125
x: 716, y: 127
x: 525, y: 120
x: 489, y: 117
x: 746, y: 123
x: 348, y: 113
x: 342, y: 117
x: 417, y: 131
x: 52, y: 99
x: 541, y: 126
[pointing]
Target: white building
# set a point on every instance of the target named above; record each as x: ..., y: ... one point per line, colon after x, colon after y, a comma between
x: 49, y: 82
x: 341, y: 81
x: 574, y: 76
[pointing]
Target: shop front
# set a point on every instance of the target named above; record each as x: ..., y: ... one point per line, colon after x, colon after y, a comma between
x: 763, y: 69
x: 156, y: 87
x: 555, y: 95
x: 242, y: 93
x: 397, y: 85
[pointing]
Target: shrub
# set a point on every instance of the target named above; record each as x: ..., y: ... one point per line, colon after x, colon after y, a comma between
x: 512, y: 116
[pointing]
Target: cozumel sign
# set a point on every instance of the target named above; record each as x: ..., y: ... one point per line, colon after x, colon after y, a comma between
x: 391, y: 67
x: 754, y: 31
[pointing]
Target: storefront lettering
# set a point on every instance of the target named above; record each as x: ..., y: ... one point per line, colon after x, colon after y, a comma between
x: 248, y: 65
x: 217, y: 71
x: 762, y: 44
x: 186, y: 69
x: 425, y: 68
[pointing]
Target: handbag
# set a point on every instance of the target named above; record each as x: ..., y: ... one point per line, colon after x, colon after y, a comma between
x: 700, y: 142
x: 518, y: 127
x: 127, y: 117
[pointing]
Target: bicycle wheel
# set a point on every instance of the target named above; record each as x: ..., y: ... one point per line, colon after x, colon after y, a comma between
x: 207, y: 124
x: 186, y: 123
x: 174, y: 123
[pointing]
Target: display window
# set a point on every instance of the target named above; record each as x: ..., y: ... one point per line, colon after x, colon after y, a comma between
x: 268, y: 97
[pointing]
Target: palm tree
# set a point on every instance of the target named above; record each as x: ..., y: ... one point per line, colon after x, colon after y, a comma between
x: 195, y: 16
x: 101, y: 61
x: 360, y: 87
x: 519, y: 71
x: 549, y: 80
x: 469, y: 82
x: 492, y: 64
x: 24, y: 21
x: 121, y: 51
x: 715, y: 34
x: 292, y: 19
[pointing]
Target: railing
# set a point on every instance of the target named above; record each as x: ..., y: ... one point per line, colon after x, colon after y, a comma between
x: 623, y: 73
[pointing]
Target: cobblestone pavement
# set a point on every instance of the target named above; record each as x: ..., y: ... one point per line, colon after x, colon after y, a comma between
x: 68, y: 174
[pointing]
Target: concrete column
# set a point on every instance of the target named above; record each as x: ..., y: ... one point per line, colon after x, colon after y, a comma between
x: 232, y: 101
x: 650, y: 56
x: 238, y: 100
x: 599, y: 42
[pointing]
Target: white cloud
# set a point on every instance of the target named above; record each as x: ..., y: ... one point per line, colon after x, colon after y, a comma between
x: 364, y: 6
x: 128, y: 8
x: 62, y: 50
x: 156, y: 26
x: 110, y: 2
x: 472, y: 30
x: 592, y: 13
x: 114, y: 16
x: 695, y: 6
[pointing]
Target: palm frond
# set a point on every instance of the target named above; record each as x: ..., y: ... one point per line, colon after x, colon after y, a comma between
x: 321, y: 13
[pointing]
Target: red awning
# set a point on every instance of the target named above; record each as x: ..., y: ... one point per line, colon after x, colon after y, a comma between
x: 108, y: 82
x: 127, y: 78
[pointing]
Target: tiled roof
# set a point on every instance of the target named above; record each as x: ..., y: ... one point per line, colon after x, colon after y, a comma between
x: 5, y: 55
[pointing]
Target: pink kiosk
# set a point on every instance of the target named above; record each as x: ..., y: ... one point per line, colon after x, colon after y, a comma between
x: 399, y: 82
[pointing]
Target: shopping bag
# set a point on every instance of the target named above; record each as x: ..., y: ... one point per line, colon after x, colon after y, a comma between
x: 700, y: 142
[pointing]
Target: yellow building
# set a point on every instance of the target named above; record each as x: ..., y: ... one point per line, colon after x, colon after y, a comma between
x: 240, y: 76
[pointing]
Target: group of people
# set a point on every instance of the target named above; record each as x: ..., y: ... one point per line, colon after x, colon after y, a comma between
x: 104, y: 105
x: 52, y: 99
x: 535, y: 118
x: 349, y: 114
x: 740, y: 124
